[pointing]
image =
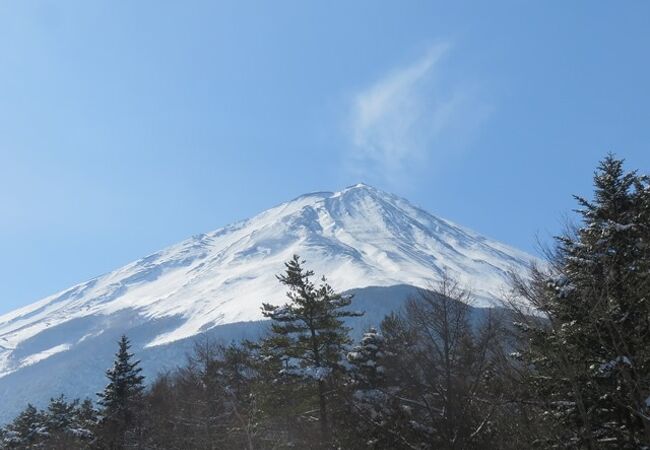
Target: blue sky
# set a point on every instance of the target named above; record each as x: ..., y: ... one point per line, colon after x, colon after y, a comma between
x: 128, y: 126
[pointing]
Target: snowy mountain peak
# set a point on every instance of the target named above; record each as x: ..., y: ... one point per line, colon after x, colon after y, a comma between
x: 357, y: 237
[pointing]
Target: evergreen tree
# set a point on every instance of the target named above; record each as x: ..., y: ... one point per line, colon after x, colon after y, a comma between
x: 86, y: 420
x: 59, y: 419
x: 27, y: 431
x: 308, y: 337
x: 592, y: 363
x: 366, y: 359
x: 375, y: 418
x: 69, y: 424
x: 62, y: 425
x: 122, y: 399
x: 60, y: 415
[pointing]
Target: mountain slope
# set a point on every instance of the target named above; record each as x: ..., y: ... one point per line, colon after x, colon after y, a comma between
x: 358, y: 237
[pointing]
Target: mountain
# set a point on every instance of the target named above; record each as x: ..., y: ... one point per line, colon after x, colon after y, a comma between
x: 214, y: 283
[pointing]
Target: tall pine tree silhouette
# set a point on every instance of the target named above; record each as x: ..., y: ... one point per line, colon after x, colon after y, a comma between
x: 308, y: 333
x: 121, y: 399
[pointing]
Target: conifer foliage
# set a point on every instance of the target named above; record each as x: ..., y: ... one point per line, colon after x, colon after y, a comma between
x: 308, y: 335
x: 121, y: 399
x: 591, y: 359
x: 62, y: 425
x: 26, y: 431
x: 367, y: 358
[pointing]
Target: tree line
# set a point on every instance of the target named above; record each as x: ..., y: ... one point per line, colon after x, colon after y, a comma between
x: 565, y: 365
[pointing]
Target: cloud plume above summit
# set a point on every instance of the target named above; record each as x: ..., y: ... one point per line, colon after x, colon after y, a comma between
x: 411, y: 119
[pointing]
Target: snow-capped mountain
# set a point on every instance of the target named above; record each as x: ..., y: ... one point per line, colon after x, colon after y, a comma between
x: 358, y: 237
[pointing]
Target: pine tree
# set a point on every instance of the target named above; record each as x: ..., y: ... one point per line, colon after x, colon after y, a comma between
x: 28, y: 430
x: 85, y: 420
x: 60, y: 415
x: 592, y: 364
x: 374, y: 413
x: 122, y: 398
x: 366, y: 359
x: 59, y: 420
x: 308, y: 336
x: 69, y: 424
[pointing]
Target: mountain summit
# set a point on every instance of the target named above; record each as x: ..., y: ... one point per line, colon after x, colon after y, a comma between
x: 358, y: 237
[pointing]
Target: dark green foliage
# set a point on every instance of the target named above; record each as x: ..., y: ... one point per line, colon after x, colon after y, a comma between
x: 26, y: 431
x: 367, y: 360
x: 592, y: 362
x: 308, y: 332
x: 62, y: 425
x: 308, y: 338
x: 69, y: 424
x: 121, y: 401
x: 375, y: 418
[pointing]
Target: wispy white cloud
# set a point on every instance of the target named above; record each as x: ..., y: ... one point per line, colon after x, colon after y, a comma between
x: 411, y: 120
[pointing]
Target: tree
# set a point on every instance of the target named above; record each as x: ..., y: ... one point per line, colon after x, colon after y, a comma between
x: 208, y: 403
x: 69, y: 424
x: 27, y: 431
x: 590, y: 359
x: 308, y: 337
x: 366, y: 358
x: 60, y: 422
x: 86, y: 421
x: 121, y: 399
x: 438, y: 372
x: 375, y: 418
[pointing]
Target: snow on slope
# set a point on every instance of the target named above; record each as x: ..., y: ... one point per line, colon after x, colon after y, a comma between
x: 357, y: 237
